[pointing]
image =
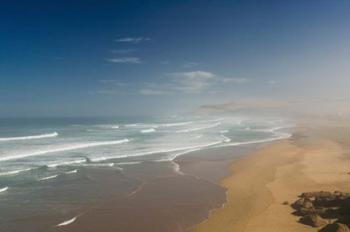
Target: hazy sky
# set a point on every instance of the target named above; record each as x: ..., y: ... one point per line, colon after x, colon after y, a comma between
x: 149, y: 57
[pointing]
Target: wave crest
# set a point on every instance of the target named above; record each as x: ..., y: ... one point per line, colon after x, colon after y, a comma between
x: 43, y: 136
x: 150, y: 130
x: 64, y: 148
x: 4, y: 189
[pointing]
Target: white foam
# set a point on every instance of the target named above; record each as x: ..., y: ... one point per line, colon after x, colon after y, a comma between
x: 129, y: 163
x: 15, y: 172
x: 279, y: 137
x: 67, y: 222
x: 173, y: 156
x: 4, y: 189
x: 176, y: 168
x: 143, y: 125
x: 98, y: 164
x: 132, y: 125
x: 115, y: 127
x: 182, y: 149
x: 98, y: 159
x: 48, y: 178
x: 66, y: 163
x: 198, y: 136
x: 150, y: 130
x: 176, y: 124
x: 226, y: 139
x: 186, y: 150
x: 199, y: 128
x: 72, y: 172
x: 63, y: 148
x: 54, y: 134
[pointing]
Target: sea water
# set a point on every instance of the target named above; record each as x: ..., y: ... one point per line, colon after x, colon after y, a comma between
x: 45, y: 162
x: 44, y: 148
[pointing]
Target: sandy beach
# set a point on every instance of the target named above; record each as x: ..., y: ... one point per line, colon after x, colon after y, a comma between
x: 314, y: 159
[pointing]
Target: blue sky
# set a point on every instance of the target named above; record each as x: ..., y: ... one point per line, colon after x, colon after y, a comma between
x: 90, y: 57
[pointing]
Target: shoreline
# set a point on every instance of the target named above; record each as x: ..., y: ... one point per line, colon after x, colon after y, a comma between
x: 259, y: 183
x: 168, y: 197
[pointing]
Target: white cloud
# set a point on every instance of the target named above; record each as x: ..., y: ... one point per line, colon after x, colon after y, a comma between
x: 193, y: 82
x: 134, y: 40
x: 125, y: 60
x: 235, y: 80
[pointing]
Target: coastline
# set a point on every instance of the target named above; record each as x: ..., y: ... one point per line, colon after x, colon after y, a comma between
x: 174, y: 195
x: 160, y: 196
x: 313, y: 159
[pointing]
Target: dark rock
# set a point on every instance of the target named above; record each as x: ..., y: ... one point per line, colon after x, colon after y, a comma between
x: 307, y: 204
x: 335, y: 227
x: 316, y: 194
x: 306, y: 211
x: 285, y: 203
x: 314, y: 220
x: 298, y: 203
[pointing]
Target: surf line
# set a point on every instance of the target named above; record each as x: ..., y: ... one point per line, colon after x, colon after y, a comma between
x: 69, y: 221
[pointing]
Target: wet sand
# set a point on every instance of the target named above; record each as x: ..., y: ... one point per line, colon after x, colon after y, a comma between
x: 315, y: 158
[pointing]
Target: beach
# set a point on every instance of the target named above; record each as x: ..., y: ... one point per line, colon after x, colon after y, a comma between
x: 249, y: 187
x: 263, y: 185
x: 85, y: 174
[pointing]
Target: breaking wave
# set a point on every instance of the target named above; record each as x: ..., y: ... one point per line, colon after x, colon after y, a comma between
x: 50, y: 135
x: 67, y: 222
x: 150, y: 130
x: 15, y: 172
x: 63, y: 148
x: 199, y: 128
x: 3, y: 189
x: 48, y: 177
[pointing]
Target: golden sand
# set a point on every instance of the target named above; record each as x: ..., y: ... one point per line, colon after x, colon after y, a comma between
x: 278, y: 172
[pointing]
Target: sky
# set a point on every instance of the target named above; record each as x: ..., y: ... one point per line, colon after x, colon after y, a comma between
x: 91, y: 58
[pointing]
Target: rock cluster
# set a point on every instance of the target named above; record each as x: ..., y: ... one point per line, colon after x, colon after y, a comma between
x: 327, y: 210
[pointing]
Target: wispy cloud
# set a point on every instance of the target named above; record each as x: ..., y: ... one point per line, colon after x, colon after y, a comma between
x: 193, y: 82
x: 125, y: 60
x: 134, y: 40
x: 235, y: 80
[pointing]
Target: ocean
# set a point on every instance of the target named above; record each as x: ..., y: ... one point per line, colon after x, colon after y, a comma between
x: 48, y: 147
x: 36, y: 152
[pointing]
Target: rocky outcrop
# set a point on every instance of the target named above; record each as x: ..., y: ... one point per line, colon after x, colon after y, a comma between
x: 314, y: 220
x: 326, y: 210
x: 336, y: 227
